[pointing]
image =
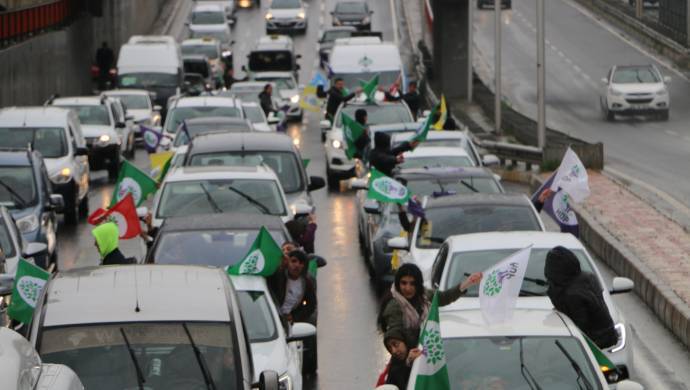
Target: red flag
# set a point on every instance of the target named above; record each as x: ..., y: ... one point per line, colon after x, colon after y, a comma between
x: 124, y: 214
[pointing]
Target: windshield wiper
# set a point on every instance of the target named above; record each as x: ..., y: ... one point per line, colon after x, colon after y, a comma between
x: 525, y: 371
x: 200, y: 359
x: 210, y: 199
x: 537, y: 281
x: 140, y: 374
x: 439, y: 240
x: 15, y: 195
x: 576, y: 367
x: 529, y: 293
x: 468, y: 185
x: 251, y: 200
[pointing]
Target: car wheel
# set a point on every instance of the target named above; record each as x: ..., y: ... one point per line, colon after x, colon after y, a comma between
x: 664, y: 115
x: 84, y: 207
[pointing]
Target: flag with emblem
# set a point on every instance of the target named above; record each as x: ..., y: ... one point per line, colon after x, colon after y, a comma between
x: 123, y: 213
x: 309, y: 100
x: 386, y: 189
x: 433, y: 370
x: 263, y: 258
x: 571, y: 177
x: 352, y: 130
x: 29, y: 282
x: 160, y: 163
x: 152, y: 138
x: 423, y: 130
x: 501, y: 285
x: 443, y: 111
x: 557, y: 206
x: 132, y: 180
x: 370, y: 87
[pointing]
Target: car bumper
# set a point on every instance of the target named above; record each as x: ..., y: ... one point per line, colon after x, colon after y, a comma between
x: 622, y: 106
x: 286, y: 25
x: 337, y: 161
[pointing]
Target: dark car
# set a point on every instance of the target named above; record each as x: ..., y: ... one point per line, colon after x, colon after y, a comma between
x: 327, y: 40
x: 199, y: 65
x: 27, y: 192
x: 352, y: 13
x: 216, y: 239
x: 508, y: 4
x: 204, y: 125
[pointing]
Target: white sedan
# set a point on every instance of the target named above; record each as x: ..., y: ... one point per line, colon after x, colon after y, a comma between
x: 436, y: 156
x: 635, y: 90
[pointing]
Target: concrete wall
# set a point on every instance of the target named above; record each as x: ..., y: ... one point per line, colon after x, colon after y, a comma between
x: 60, y: 61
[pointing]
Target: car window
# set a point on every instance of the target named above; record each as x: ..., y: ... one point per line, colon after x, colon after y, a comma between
x: 379, y: 114
x: 266, y: 61
x: 91, y: 115
x: 200, y: 67
x: 257, y: 312
x: 280, y: 82
x: 147, y: 80
x: 285, y: 4
x: 50, y: 141
x: 635, y: 75
x: 351, y: 8
x: 222, y: 36
x: 436, y: 161
x: 442, y: 222
x: 255, y: 114
x: 352, y: 80
x: 208, y: 17
x: 183, y: 113
x: 6, y: 244
x: 221, y: 196
x: 135, y: 102
x: 467, y: 185
x: 330, y: 36
x: 439, y: 265
x: 478, y: 261
x: 99, y: 355
x: 17, y: 187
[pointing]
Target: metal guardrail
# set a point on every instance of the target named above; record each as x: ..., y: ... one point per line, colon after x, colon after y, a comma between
x: 17, y: 25
x: 513, y: 153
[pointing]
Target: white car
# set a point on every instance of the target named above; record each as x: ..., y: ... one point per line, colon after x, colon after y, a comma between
x: 436, y: 156
x: 272, y: 345
x: 210, y: 20
x: 476, y: 252
x: 455, y: 139
x: 190, y: 107
x: 107, y: 129
x: 256, y: 115
x: 286, y: 15
x: 286, y: 88
x: 451, y: 215
x: 537, y: 349
x: 138, y: 104
x: 227, y: 5
x: 220, y: 189
x: 635, y: 90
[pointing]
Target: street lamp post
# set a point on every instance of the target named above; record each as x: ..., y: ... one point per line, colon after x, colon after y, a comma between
x: 497, y: 66
x: 541, y: 76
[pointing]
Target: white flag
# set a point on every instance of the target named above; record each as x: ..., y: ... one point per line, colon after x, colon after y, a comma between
x: 572, y: 177
x: 500, y: 287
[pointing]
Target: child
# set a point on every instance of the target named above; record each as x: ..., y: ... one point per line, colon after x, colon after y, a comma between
x: 397, y: 371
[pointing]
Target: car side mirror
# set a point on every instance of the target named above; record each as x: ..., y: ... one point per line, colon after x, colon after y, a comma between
x: 371, y: 207
x: 621, y: 285
x: 490, y: 160
x: 325, y: 124
x: 36, y: 249
x: 359, y: 184
x: 301, y: 209
x: 120, y: 125
x: 316, y: 183
x: 142, y: 211
x: 57, y: 202
x: 273, y: 119
x: 301, y: 331
x: 398, y: 243
x: 604, y: 80
x: 268, y: 380
x: 81, y: 151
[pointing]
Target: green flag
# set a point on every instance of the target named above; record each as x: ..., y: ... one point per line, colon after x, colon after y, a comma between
x: 352, y: 130
x: 605, y: 364
x: 133, y: 180
x: 305, y: 162
x: 386, y: 189
x: 28, y: 284
x: 433, y: 370
x: 423, y: 129
x: 369, y: 87
x: 263, y: 258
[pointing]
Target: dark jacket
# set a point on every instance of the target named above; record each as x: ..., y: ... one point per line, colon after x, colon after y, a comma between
x: 116, y: 257
x: 335, y: 98
x: 105, y: 58
x: 363, y: 144
x: 578, y: 295
x: 412, y: 99
x: 266, y: 102
x: 382, y: 157
x: 277, y: 283
x: 398, y: 373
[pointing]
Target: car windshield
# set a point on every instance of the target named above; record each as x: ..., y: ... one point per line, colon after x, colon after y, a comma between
x: 437, y: 161
x: 179, y: 114
x: 6, y: 244
x: 195, y: 197
x: 280, y: 82
x: 99, y: 355
x: 208, y: 17
x: 352, y: 80
x: 401, y: 137
x: 267, y: 61
x: 466, y: 185
x: 351, y: 8
x: 255, y: 114
x: 222, y: 35
x: 442, y: 222
x: 210, y: 51
x: 286, y: 4
x: 17, y: 187
x: 91, y: 115
x: 196, y: 129
x: 284, y: 164
x: 135, y: 102
x: 330, y: 36
x: 50, y: 141
x: 207, y: 247
x: 147, y: 80
x: 257, y: 311
x: 199, y: 67
x: 379, y: 114
x: 634, y: 75
x: 478, y: 261
x: 540, y: 356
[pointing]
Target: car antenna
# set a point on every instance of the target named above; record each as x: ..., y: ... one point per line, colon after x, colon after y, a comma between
x: 136, y: 290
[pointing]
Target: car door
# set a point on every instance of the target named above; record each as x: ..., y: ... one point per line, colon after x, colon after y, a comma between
x: 119, y: 118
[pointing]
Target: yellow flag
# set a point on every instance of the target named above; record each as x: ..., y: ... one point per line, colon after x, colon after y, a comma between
x: 309, y: 100
x: 158, y: 161
x: 443, y: 111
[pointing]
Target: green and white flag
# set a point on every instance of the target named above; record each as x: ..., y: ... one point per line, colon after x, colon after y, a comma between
x: 28, y: 285
x: 500, y: 287
x: 263, y: 258
x: 433, y: 370
x: 423, y: 130
x: 133, y: 180
x: 386, y: 189
x: 352, y: 130
x: 370, y: 87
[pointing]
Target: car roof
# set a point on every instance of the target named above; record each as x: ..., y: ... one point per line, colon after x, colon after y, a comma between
x: 126, y: 92
x: 208, y: 41
x: 277, y: 75
x: 206, y: 101
x: 14, y: 158
x: 152, y: 39
x: 78, y: 100
x: 191, y: 173
x: 435, y: 135
x: 430, y: 151
x: 395, y: 127
x: 216, y: 120
x: 222, y: 221
x: 207, y: 8
x: 478, y: 199
x: 512, y: 240
x: 347, y: 58
x: 525, y: 322
x: 246, y: 85
x: 86, y: 295
x: 34, y: 116
x: 273, y: 42
x: 412, y: 174
x: 219, y: 142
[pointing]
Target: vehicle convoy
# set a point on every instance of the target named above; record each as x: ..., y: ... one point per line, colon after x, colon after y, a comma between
x: 635, y: 90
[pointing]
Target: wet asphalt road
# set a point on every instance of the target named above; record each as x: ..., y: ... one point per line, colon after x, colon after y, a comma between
x: 351, y: 352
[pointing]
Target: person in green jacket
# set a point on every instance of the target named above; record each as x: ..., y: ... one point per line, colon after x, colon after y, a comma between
x: 407, y: 305
x: 107, y: 236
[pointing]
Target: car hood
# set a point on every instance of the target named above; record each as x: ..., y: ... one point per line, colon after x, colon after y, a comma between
x: 263, y: 127
x: 207, y: 27
x: 94, y: 131
x: 286, y: 94
x: 55, y: 165
x: 639, y: 88
x: 270, y: 355
x: 139, y: 115
x: 285, y: 13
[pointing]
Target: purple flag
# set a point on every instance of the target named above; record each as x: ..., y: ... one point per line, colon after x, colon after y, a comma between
x: 557, y: 206
x: 415, y: 208
x: 152, y: 138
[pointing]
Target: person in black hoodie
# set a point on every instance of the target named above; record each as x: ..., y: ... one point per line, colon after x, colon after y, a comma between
x: 578, y: 295
x: 383, y: 157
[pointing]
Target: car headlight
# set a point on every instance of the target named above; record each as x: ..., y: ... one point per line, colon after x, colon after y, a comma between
x: 285, y: 382
x: 622, y: 335
x: 269, y: 16
x: 27, y: 224
x: 295, y: 99
x: 63, y: 176
x: 156, y: 120
x: 104, y: 139
x: 301, y: 15
x: 336, y: 144
x: 615, y: 92
x: 662, y: 92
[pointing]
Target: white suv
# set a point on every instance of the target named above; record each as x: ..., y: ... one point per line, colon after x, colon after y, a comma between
x: 635, y: 90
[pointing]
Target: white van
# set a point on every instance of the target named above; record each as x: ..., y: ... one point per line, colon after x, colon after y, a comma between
x: 155, y: 67
x: 361, y: 58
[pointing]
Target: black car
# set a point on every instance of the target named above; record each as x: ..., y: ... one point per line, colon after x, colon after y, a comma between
x: 507, y: 4
x: 352, y: 13
x: 327, y: 41
x: 27, y: 192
